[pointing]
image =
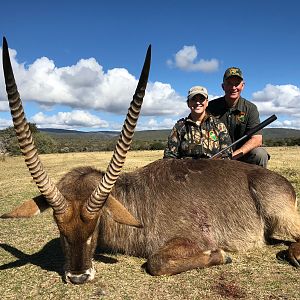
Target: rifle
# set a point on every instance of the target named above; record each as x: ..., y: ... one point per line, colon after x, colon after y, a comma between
x: 248, y: 134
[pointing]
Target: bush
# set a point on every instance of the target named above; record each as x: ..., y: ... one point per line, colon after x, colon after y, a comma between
x: 157, y: 146
x: 44, y: 143
x: 9, y: 142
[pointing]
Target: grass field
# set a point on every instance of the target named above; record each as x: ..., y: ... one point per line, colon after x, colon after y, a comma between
x: 31, y: 258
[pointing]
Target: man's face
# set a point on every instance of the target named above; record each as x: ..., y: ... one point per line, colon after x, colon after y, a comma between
x: 233, y: 87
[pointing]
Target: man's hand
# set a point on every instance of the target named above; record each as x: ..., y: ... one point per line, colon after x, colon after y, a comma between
x: 254, y: 142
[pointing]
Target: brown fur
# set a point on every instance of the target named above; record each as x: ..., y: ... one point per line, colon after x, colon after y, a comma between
x: 218, y: 204
x: 179, y: 255
x: 28, y: 209
x: 294, y: 254
x: 189, y: 209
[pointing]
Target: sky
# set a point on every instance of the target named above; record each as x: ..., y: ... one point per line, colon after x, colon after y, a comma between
x: 77, y: 63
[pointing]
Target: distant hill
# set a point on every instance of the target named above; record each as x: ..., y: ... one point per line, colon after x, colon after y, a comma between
x: 154, y: 135
x: 280, y: 133
x: 64, y: 133
x: 49, y: 140
x: 78, y: 141
x: 146, y: 135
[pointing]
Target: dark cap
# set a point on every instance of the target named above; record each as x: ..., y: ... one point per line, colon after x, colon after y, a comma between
x: 233, y: 71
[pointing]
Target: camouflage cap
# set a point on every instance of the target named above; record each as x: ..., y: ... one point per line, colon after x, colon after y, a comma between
x: 232, y: 71
x: 195, y: 90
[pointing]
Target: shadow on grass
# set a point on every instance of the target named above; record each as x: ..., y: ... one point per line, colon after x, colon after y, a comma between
x: 49, y: 258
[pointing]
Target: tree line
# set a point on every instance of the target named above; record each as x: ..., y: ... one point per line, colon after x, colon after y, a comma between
x: 60, y: 144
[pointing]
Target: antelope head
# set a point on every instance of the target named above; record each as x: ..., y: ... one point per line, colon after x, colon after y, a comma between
x: 77, y: 213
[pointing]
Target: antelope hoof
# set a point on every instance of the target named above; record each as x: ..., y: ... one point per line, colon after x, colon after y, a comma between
x: 226, y: 259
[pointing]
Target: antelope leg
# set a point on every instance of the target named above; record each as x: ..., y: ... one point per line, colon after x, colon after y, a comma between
x: 179, y: 255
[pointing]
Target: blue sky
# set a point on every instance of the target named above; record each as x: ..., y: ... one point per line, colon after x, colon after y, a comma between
x: 77, y: 63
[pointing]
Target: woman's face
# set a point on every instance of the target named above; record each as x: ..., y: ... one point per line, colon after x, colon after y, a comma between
x: 198, y: 104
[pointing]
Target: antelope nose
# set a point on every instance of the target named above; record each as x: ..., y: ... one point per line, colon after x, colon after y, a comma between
x: 78, y: 279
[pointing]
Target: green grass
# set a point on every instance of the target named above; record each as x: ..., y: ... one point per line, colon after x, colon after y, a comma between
x: 31, y: 259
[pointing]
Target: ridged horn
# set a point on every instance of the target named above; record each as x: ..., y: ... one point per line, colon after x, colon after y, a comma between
x: 100, y: 194
x: 55, y: 199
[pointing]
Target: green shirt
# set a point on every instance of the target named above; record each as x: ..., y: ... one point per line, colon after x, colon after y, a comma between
x: 238, y: 120
x: 187, y: 139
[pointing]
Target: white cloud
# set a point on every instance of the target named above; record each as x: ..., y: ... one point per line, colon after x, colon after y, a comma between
x: 295, y: 124
x: 162, y: 99
x: 86, y: 86
x: 147, y: 123
x: 278, y: 99
x: 154, y: 124
x: 185, y: 59
x: 5, y: 123
x: 4, y: 105
x: 69, y: 120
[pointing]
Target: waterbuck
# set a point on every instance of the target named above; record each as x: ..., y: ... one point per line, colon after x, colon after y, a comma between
x: 184, y: 214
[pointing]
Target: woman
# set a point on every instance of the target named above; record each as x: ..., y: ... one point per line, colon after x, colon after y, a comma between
x: 200, y: 135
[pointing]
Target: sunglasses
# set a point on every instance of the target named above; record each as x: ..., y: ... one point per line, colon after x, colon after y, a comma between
x: 200, y: 99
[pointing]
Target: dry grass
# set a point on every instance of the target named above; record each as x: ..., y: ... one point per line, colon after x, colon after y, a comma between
x: 31, y: 259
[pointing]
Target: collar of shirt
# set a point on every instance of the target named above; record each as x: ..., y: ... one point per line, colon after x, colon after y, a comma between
x: 238, y: 107
x: 189, y: 119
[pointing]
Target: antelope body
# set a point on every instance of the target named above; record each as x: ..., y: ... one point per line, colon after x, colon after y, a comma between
x: 187, y: 212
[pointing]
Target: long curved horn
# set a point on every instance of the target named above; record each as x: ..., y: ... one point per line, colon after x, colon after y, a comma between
x: 55, y: 199
x: 100, y: 194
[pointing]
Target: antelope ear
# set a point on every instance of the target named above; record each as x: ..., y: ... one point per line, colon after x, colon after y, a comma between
x: 119, y: 213
x: 28, y: 209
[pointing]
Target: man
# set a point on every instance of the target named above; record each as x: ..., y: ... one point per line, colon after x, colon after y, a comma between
x: 239, y: 116
x: 200, y: 135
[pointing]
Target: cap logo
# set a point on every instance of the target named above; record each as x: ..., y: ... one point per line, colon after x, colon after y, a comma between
x: 234, y: 72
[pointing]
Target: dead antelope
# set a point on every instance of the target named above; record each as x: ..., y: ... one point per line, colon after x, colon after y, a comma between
x: 190, y: 211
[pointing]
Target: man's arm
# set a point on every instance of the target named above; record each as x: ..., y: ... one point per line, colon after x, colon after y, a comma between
x: 254, y: 142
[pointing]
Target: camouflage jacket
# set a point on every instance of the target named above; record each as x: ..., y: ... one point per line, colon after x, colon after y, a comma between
x: 187, y: 139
